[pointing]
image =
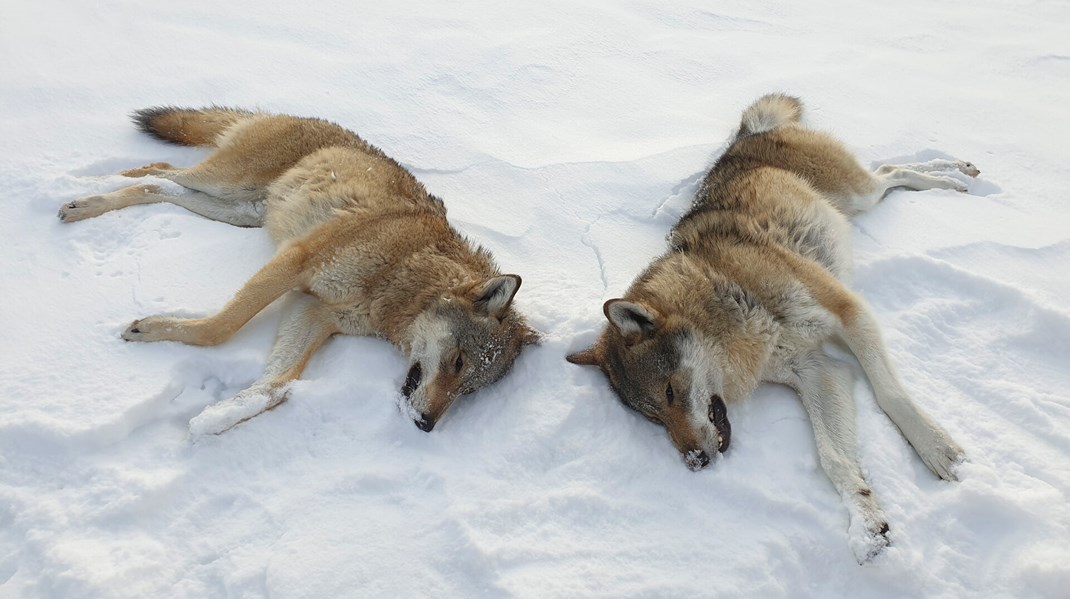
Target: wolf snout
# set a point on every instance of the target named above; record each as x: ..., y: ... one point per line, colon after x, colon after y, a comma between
x: 425, y: 423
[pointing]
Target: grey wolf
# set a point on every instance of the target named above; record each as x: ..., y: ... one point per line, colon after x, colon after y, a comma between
x: 364, y: 247
x: 754, y: 282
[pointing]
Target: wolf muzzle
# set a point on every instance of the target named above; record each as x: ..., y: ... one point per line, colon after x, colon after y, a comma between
x: 412, y: 382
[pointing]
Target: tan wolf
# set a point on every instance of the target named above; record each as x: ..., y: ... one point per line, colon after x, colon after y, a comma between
x: 754, y: 282
x: 367, y: 250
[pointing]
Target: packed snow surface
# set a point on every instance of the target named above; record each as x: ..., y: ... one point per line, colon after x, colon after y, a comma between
x: 566, y: 136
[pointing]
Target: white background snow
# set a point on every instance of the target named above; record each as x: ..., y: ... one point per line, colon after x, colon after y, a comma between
x: 566, y: 136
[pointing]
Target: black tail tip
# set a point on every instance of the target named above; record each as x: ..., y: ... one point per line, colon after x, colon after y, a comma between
x: 145, y: 117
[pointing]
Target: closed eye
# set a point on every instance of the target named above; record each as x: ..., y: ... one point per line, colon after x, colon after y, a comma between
x: 669, y: 395
x: 458, y: 364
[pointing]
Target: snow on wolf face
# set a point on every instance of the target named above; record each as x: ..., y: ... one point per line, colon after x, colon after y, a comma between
x: 463, y: 342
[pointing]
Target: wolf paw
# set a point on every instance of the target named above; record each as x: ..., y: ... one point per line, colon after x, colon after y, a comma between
x: 868, y: 532
x: 220, y: 417
x: 151, y: 328
x: 149, y: 169
x: 967, y: 168
x: 872, y: 543
x: 951, y: 183
x: 943, y: 457
x: 82, y: 209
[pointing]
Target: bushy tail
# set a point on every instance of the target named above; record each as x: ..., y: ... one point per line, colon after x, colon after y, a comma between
x: 769, y: 112
x: 188, y: 126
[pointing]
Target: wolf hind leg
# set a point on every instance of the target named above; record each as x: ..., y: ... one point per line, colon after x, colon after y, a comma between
x: 938, y: 165
x: 898, y: 176
x: 224, y: 175
x: 281, y: 274
x: 227, y: 174
x: 306, y: 325
x: 826, y: 389
x: 91, y: 206
x: 239, y: 214
x: 914, y: 176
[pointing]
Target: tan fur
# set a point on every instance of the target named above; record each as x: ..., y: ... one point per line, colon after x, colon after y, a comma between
x: 355, y: 231
x: 754, y: 282
x: 770, y: 112
x: 188, y: 127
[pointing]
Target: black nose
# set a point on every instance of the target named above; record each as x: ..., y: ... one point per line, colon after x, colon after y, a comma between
x: 424, y: 423
x: 697, y: 460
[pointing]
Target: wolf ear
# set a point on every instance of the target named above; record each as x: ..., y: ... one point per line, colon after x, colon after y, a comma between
x: 635, y: 321
x: 587, y: 357
x: 494, y: 296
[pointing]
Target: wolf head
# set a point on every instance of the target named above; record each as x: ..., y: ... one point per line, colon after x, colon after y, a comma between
x: 463, y: 341
x: 678, y: 371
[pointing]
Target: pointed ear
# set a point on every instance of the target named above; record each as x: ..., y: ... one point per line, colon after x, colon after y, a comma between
x: 494, y: 296
x: 635, y: 321
x: 587, y: 357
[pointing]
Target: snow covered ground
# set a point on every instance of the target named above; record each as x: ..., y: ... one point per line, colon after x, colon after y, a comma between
x: 567, y: 136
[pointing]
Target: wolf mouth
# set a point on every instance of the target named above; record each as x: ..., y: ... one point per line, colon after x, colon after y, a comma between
x: 718, y: 415
x: 412, y: 380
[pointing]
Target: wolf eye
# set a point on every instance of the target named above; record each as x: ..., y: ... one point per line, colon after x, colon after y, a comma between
x: 669, y: 394
x: 458, y: 363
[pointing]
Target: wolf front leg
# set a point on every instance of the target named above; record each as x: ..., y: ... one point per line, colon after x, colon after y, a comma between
x: 306, y: 325
x: 932, y: 443
x: 857, y: 326
x: 284, y: 272
x: 825, y: 387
